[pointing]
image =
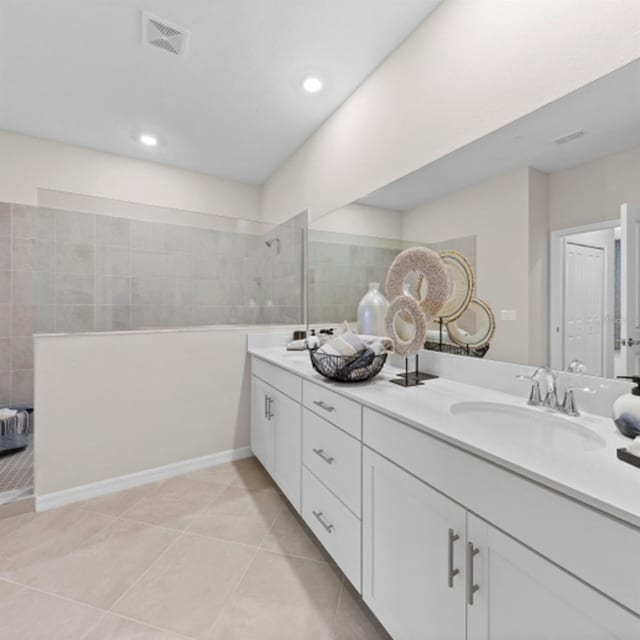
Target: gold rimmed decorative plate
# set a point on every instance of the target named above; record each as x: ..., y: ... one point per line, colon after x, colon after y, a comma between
x: 475, y: 327
x: 462, y: 284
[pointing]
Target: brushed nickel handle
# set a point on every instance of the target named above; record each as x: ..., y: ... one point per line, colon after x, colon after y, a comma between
x: 266, y: 404
x: 451, y: 572
x: 471, y: 587
x: 269, y: 403
x: 323, y: 521
x: 327, y: 458
x: 324, y: 405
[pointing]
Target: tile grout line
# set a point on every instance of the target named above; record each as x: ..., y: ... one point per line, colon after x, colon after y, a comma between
x: 335, y: 613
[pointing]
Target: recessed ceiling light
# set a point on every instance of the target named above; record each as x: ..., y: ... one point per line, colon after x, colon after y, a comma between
x: 148, y: 139
x: 312, y: 84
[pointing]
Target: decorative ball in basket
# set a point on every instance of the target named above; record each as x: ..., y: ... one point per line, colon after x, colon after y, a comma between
x: 358, y: 368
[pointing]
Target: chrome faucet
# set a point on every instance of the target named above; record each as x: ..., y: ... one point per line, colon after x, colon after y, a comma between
x: 551, y: 380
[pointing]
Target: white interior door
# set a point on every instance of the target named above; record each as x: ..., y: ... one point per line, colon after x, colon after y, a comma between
x: 629, y: 297
x: 584, y: 289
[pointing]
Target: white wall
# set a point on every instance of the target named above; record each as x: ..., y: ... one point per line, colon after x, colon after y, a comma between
x: 497, y: 212
x: 112, y: 404
x: 28, y: 164
x: 362, y: 220
x: 593, y: 192
x: 472, y: 67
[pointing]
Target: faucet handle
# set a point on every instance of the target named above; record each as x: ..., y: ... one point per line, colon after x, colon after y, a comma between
x: 535, y: 397
x: 569, y: 402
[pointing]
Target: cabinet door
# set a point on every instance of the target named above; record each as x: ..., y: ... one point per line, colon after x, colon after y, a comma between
x: 287, y: 414
x: 262, y: 423
x: 522, y: 595
x: 410, y: 556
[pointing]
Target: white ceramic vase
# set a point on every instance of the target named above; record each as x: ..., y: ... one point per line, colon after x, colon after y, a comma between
x: 372, y: 311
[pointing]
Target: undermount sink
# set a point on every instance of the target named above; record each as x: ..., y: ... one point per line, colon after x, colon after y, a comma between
x: 528, y: 426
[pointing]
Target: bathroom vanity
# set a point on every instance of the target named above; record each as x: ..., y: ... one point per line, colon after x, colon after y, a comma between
x: 447, y: 528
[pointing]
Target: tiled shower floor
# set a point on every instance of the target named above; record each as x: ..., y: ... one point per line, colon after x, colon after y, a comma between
x: 16, y: 472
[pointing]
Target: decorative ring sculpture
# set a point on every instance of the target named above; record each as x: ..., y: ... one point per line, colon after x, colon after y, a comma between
x: 406, y: 305
x: 428, y: 264
x: 485, y: 326
x: 462, y: 285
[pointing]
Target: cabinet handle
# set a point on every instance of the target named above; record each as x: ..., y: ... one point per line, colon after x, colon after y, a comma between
x: 451, y: 573
x: 328, y: 459
x: 269, y: 403
x: 266, y: 406
x: 471, y: 587
x: 323, y: 521
x: 324, y: 405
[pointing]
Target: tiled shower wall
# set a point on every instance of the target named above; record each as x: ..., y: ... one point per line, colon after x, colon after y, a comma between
x: 341, y: 267
x: 65, y: 271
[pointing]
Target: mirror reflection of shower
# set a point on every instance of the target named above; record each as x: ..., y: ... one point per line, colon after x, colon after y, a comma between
x: 274, y: 241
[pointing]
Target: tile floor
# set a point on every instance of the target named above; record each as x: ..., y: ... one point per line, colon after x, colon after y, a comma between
x: 213, y: 555
x: 16, y: 470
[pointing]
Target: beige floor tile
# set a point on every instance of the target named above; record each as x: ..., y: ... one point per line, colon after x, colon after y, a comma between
x: 186, y: 588
x: 281, y: 598
x: 175, y: 503
x: 115, y: 628
x: 354, y: 621
x: 116, y: 504
x: 29, y: 615
x: 99, y: 570
x: 250, y: 474
x: 290, y: 535
x: 38, y: 537
x: 239, y: 515
x: 220, y: 474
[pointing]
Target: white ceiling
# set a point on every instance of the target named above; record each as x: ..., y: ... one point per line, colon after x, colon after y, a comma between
x: 607, y: 110
x: 76, y: 71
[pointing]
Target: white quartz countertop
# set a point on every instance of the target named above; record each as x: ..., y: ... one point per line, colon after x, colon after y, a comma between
x: 595, y: 477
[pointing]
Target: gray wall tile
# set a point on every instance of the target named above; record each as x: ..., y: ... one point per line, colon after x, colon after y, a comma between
x: 75, y: 227
x: 22, y: 352
x: 147, y: 236
x: 178, y: 238
x: 75, y: 317
x: 149, y: 316
x: 179, y: 265
x: 113, y: 261
x: 5, y: 286
x: 75, y: 289
x: 23, y: 221
x: 113, y: 317
x: 22, y: 388
x: 5, y: 320
x: 46, y: 251
x: 23, y: 319
x: 24, y: 287
x: 147, y: 264
x: 207, y: 293
x: 148, y: 291
x: 5, y: 219
x: 24, y: 254
x: 5, y: 354
x: 46, y: 318
x: 113, y: 290
x: 46, y: 224
x: 112, y: 231
x: 73, y: 257
x: 5, y: 388
x: 5, y: 254
x: 46, y: 284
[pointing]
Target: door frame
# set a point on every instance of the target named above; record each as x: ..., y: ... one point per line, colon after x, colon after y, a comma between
x: 556, y: 291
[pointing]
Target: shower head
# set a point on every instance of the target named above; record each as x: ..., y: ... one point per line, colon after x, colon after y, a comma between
x: 273, y: 241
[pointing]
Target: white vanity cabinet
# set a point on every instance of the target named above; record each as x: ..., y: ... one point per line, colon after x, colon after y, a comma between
x: 522, y: 595
x: 276, y: 427
x: 442, y: 544
x: 413, y: 541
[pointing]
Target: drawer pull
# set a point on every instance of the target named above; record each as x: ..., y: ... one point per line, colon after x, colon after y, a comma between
x: 323, y: 521
x: 320, y: 453
x: 324, y: 405
x: 451, y: 573
x: 269, y: 405
x: 471, y: 587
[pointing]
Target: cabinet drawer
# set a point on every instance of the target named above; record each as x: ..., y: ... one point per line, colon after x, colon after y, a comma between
x: 289, y: 383
x: 333, y: 524
x: 585, y: 542
x: 333, y: 407
x: 334, y: 457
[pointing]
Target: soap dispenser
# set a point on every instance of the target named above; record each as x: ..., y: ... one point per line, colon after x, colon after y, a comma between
x: 626, y: 410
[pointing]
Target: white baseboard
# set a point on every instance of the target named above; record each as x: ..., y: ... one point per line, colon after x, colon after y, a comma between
x: 120, y: 483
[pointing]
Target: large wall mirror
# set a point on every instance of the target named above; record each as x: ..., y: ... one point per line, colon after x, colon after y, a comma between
x: 547, y: 213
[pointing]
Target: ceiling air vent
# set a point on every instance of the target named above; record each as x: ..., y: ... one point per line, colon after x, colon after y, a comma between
x: 157, y: 32
x: 570, y: 137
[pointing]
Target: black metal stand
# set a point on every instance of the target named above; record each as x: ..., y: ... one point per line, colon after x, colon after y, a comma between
x: 413, y: 378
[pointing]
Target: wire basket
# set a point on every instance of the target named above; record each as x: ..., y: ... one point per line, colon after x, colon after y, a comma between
x: 348, y: 368
x: 474, y: 352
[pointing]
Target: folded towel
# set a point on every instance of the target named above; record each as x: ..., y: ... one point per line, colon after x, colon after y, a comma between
x: 347, y: 344
x: 634, y: 447
x: 7, y: 413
